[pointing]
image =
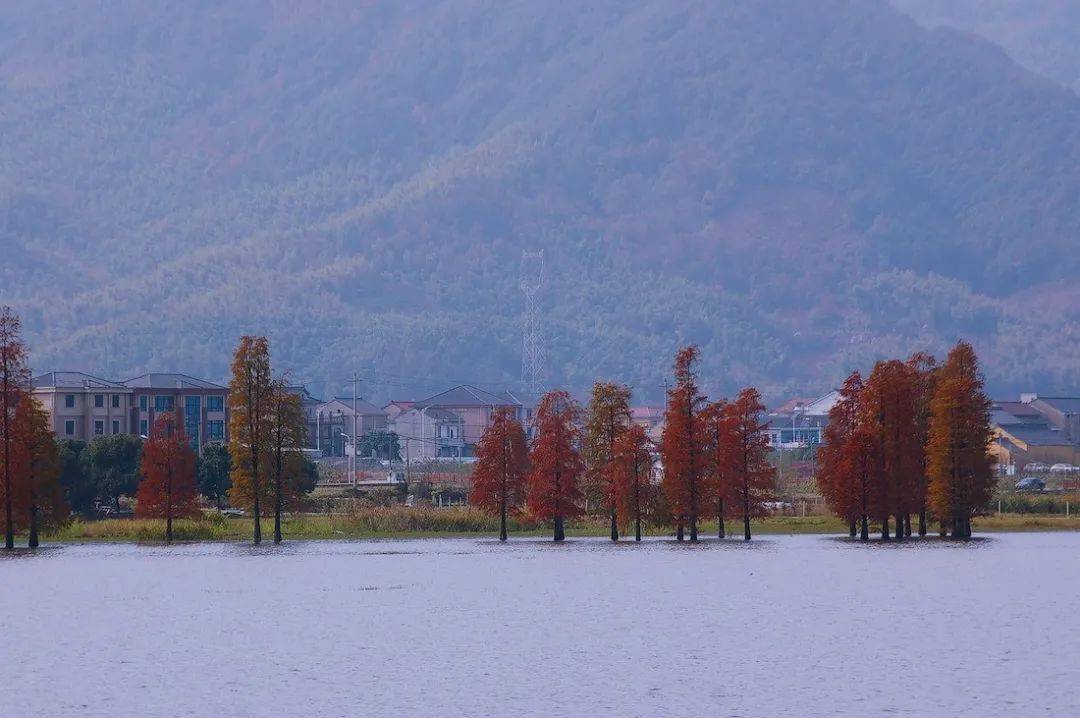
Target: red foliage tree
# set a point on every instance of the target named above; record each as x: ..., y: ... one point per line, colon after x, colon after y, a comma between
x: 37, y: 496
x: 14, y: 382
x: 841, y: 484
x: 682, y: 443
x: 608, y: 416
x: 752, y: 476
x: 629, y: 471
x: 718, y: 426
x: 556, y: 464
x: 168, y: 488
x: 888, y: 406
x: 502, y: 462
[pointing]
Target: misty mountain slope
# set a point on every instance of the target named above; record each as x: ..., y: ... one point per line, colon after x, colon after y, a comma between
x: 799, y: 187
x: 1042, y: 35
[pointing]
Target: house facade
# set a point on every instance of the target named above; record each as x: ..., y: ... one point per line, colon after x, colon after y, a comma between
x: 330, y: 423
x: 1036, y: 430
x: 82, y: 406
x: 202, y: 406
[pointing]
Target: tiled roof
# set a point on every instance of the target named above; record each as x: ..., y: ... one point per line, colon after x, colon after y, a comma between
x: 364, y: 408
x: 170, y: 381
x: 74, y: 380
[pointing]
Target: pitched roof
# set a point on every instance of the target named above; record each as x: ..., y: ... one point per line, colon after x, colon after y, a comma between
x: 170, y: 381
x: 345, y: 404
x: 1037, y: 435
x: 74, y: 380
x: 1019, y: 409
x: 467, y: 395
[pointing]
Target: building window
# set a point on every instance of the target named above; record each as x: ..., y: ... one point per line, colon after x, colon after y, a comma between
x: 164, y: 403
x: 215, y: 430
x: 99, y: 428
x: 99, y: 401
x: 144, y: 426
x: 215, y: 403
x: 143, y: 402
x: 192, y: 419
x: 69, y: 428
x: 116, y: 401
x: 69, y: 401
x: 116, y: 427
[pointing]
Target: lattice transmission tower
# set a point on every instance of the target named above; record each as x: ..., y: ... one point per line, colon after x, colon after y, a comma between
x: 531, y: 281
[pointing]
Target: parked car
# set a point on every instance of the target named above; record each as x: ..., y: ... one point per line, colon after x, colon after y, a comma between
x: 1062, y: 469
x: 1036, y: 466
x: 1030, y: 483
x: 232, y: 513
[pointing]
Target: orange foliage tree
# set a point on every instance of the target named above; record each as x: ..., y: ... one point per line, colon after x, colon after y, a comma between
x: 608, y: 416
x: 14, y: 382
x: 502, y: 462
x: 250, y: 393
x: 752, y: 476
x: 168, y: 488
x: 630, y: 472
x: 556, y: 464
x: 888, y: 405
x: 682, y: 443
x: 718, y: 426
x: 959, y: 465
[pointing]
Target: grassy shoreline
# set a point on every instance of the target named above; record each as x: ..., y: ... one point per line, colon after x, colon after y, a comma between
x: 410, y: 523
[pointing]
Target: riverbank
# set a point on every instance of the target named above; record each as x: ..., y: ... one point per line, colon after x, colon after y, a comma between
x: 403, y: 522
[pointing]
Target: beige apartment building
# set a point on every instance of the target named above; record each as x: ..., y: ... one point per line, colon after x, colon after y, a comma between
x: 82, y: 406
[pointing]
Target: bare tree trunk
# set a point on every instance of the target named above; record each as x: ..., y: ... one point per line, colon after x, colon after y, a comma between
x: 885, y: 528
x: 614, y: 526
x: 560, y: 533
x: 864, y: 531
x: 922, y: 520
x: 851, y: 529
x: 9, y: 520
x: 679, y: 530
x: 637, y: 506
x: 907, y: 525
x: 746, y: 510
x: 720, y: 518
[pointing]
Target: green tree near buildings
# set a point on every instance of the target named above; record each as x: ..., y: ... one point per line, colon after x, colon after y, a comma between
x: 380, y: 444
x: 213, y: 471
x: 112, y: 465
x: 79, y: 488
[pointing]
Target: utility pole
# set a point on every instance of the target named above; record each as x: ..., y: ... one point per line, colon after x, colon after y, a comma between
x: 355, y: 436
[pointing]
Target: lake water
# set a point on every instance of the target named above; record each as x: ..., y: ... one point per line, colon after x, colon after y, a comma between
x: 785, y: 626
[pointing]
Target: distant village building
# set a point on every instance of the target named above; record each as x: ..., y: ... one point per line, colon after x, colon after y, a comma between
x: 800, y: 423
x: 202, y: 406
x: 331, y: 424
x: 1036, y: 429
x: 449, y: 424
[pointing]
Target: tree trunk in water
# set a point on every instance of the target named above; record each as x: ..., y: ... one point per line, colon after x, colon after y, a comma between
x: 679, y: 531
x: 899, y: 526
x: 502, y: 519
x: 720, y: 519
x: 560, y: 535
x: 33, y: 543
x: 637, y: 512
x: 922, y: 522
x: 864, y: 532
x: 851, y: 530
x: 746, y: 526
x: 168, y: 525
x: 257, y: 537
x: 614, y: 526
x: 277, y: 502
x: 907, y: 525
x: 885, y: 528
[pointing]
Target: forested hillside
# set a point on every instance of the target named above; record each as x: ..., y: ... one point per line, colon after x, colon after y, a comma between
x: 1042, y: 35
x: 799, y: 187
